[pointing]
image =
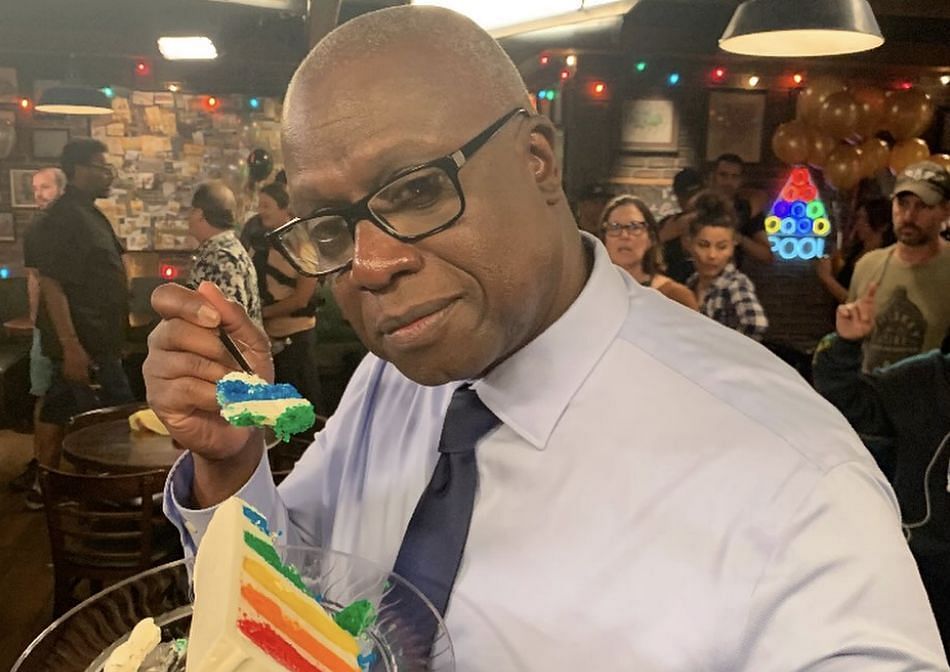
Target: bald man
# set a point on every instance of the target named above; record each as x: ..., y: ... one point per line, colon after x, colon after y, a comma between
x: 48, y: 185
x: 220, y: 257
x: 578, y: 473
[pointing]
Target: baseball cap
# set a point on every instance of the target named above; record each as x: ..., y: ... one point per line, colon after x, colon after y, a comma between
x: 928, y: 180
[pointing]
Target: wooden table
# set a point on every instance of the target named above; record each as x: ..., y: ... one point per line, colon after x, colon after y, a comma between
x: 112, y: 446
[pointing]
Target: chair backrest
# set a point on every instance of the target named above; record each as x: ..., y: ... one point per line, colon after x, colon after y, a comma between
x: 103, y: 522
x: 103, y: 415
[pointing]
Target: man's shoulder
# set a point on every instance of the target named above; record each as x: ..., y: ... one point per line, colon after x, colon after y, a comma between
x: 873, y: 259
x: 748, y: 389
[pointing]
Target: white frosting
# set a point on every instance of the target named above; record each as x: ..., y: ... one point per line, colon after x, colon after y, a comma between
x: 129, y: 655
x: 248, y: 378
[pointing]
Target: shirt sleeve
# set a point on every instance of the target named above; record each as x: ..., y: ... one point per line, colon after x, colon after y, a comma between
x: 751, y: 315
x: 841, y: 592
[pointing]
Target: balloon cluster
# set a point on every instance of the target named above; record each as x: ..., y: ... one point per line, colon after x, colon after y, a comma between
x: 836, y: 129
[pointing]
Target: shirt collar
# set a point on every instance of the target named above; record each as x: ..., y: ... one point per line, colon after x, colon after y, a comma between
x: 217, y: 239
x: 530, y: 390
x: 725, y: 278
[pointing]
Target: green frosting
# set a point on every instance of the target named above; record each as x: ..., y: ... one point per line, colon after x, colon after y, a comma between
x: 357, y: 617
x: 246, y: 419
x: 269, y: 555
x: 293, y: 420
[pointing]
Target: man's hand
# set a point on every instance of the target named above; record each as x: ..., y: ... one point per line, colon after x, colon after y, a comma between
x: 186, y: 359
x: 855, y: 321
x: 75, y: 362
x: 823, y: 268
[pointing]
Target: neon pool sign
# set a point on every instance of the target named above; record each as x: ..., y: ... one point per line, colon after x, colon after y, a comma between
x: 798, y: 223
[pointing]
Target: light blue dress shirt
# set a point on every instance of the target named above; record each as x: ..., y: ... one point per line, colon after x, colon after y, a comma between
x: 663, y: 495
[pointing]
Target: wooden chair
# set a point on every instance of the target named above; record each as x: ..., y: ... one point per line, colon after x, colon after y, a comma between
x: 106, y: 414
x: 103, y: 529
x: 283, y: 456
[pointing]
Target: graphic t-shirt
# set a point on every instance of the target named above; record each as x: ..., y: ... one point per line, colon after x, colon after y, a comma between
x: 912, y: 305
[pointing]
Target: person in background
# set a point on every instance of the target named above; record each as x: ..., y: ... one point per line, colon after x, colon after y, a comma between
x: 872, y: 230
x: 629, y: 232
x: 533, y: 429
x: 220, y: 257
x: 289, y: 304
x: 590, y: 204
x: 674, y: 228
x: 48, y: 185
x: 726, y: 178
x: 911, y: 304
x: 723, y: 292
x: 84, y: 311
x: 902, y: 412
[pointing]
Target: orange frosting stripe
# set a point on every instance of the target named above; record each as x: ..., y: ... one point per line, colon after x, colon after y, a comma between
x: 298, y: 635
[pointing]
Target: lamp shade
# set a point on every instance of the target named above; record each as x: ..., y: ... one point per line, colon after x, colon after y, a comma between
x: 73, y: 99
x: 790, y: 28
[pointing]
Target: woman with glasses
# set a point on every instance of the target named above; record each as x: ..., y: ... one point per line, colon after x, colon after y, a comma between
x: 630, y: 234
x: 724, y: 293
x: 289, y: 303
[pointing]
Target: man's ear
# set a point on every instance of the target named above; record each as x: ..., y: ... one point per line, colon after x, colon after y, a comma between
x: 544, y: 166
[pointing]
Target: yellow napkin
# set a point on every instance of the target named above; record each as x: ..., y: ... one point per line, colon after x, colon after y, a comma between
x: 147, y: 420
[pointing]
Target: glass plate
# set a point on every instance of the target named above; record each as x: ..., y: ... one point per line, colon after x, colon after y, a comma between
x: 82, y: 639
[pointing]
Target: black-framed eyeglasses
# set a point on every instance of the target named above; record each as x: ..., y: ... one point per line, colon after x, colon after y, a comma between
x: 615, y: 229
x: 418, y: 202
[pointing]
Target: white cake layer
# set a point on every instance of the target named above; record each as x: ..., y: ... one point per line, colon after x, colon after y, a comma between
x: 268, y: 408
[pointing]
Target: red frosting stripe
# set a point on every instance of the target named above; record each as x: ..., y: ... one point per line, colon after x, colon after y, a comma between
x: 271, y: 611
x: 275, y: 646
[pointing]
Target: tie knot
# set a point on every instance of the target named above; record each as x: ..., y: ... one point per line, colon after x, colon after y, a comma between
x: 466, y: 421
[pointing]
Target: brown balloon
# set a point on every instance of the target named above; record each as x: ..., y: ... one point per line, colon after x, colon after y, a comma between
x: 870, y: 101
x: 790, y: 142
x: 941, y: 160
x: 906, y: 152
x: 907, y: 113
x: 819, y: 147
x: 843, y: 168
x: 875, y: 155
x: 838, y: 115
x: 814, y: 94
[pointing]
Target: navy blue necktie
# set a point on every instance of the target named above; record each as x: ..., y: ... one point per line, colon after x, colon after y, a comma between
x: 432, y: 547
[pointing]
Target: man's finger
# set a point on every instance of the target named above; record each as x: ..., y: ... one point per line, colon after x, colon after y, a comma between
x: 872, y: 291
x: 844, y: 311
x: 183, y: 395
x: 173, y: 365
x: 178, y: 335
x: 171, y: 300
x: 247, y: 335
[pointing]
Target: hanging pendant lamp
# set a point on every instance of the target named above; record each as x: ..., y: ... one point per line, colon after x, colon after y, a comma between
x: 793, y: 28
x: 73, y: 99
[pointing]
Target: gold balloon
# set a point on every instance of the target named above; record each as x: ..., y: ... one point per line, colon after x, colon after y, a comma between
x: 790, y: 142
x: 838, y: 115
x: 907, y: 152
x: 908, y: 113
x: 814, y: 94
x: 870, y: 101
x: 843, y: 168
x: 875, y: 154
x: 941, y: 160
x: 819, y: 147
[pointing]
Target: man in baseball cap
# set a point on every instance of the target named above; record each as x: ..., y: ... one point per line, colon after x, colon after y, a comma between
x: 912, y: 276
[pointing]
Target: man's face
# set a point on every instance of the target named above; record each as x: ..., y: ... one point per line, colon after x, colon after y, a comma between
x: 97, y: 176
x: 727, y: 178
x: 449, y: 306
x: 915, y: 222
x: 45, y: 189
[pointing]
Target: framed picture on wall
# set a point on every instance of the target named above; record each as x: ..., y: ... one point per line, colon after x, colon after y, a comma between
x: 21, y: 188
x: 7, y: 228
x: 649, y: 125
x: 48, y: 142
x: 734, y: 124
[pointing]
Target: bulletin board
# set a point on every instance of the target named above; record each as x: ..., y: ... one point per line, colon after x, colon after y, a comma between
x: 163, y: 145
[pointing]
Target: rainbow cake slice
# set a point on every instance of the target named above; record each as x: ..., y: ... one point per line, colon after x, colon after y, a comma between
x: 250, y: 401
x: 252, y: 612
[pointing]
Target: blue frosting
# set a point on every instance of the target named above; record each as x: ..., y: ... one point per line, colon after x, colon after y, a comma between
x: 257, y: 520
x: 231, y: 391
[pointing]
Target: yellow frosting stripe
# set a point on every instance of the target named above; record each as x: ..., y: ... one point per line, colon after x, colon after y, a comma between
x: 304, y: 606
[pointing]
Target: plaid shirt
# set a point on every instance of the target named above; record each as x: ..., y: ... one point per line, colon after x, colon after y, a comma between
x: 731, y: 301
